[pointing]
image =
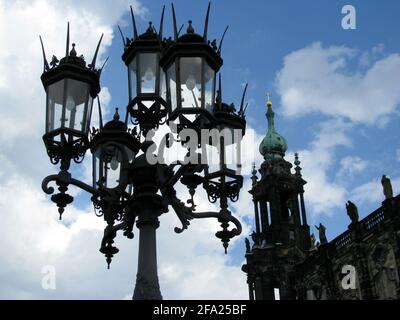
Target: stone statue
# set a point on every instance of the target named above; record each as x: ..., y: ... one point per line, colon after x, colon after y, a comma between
x: 313, y: 242
x: 352, y: 211
x: 247, y: 245
x: 254, y: 237
x: 322, y: 236
x: 387, y: 187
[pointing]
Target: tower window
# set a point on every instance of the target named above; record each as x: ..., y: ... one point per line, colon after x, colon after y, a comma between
x: 277, y: 294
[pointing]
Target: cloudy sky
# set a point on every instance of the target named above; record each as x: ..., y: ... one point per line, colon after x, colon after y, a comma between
x: 336, y: 97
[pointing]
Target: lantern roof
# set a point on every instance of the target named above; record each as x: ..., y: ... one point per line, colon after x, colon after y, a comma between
x: 149, y: 40
x: 115, y: 124
x: 192, y: 44
x: 72, y: 66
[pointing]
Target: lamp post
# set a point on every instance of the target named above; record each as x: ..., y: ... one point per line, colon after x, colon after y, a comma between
x: 167, y: 80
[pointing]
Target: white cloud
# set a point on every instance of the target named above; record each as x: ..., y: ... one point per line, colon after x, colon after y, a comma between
x: 318, y: 79
x: 351, y: 165
x: 321, y: 191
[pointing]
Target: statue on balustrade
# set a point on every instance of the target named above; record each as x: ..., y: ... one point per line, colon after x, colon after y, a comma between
x: 322, y: 236
x: 352, y: 211
x: 387, y: 187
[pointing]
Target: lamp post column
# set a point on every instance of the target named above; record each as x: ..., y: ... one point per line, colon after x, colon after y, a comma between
x: 147, y: 286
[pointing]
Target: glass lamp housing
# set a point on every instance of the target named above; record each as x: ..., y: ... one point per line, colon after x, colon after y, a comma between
x: 190, y: 64
x: 191, y: 87
x: 113, y: 149
x: 69, y: 106
x: 107, y: 163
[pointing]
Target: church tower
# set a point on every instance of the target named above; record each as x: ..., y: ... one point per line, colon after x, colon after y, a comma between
x: 282, y: 236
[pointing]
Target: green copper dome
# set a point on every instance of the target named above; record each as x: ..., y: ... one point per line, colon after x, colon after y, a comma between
x: 273, y: 146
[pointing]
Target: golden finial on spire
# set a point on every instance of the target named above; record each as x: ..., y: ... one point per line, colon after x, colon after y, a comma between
x: 269, y: 102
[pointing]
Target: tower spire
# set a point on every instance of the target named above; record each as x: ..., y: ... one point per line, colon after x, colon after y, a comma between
x: 273, y: 145
x: 297, y: 167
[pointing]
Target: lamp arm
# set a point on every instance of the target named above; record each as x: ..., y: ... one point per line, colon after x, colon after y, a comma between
x: 185, y: 213
x: 64, y: 178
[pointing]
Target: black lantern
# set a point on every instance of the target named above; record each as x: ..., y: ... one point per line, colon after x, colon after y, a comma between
x: 190, y: 63
x: 222, y: 150
x: 70, y: 87
x: 113, y: 149
x: 147, y: 90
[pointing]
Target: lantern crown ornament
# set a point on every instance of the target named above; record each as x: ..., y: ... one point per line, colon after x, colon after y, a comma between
x: 70, y: 85
x: 72, y: 65
x: 226, y: 114
x: 149, y: 40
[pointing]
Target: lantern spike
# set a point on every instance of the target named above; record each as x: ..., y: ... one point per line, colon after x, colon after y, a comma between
x: 220, y: 91
x: 243, y: 96
x: 180, y: 29
x: 206, y: 22
x: 222, y: 39
x: 101, y: 69
x: 122, y: 36
x: 245, y: 108
x: 67, y: 45
x: 135, y: 33
x: 45, y: 63
x: 160, y: 32
x: 174, y: 21
x: 93, y: 64
x: 100, y: 114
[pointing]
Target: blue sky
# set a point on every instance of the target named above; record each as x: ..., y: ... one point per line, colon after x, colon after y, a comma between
x: 336, y: 97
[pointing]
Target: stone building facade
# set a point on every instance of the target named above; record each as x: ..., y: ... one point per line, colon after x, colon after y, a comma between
x: 284, y: 262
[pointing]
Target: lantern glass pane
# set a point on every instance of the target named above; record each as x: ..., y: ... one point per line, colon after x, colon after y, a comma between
x: 132, y: 73
x: 211, y: 156
x: 209, y: 85
x: 76, y: 104
x: 88, y: 115
x: 129, y: 189
x: 190, y: 82
x: 171, y: 79
x: 232, y: 157
x: 97, y: 167
x: 148, y: 72
x: 163, y: 86
x: 55, y: 98
x: 130, y: 154
x: 112, y: 169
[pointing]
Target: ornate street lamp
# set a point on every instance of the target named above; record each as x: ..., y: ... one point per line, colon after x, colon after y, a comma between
x: 146, y: 79
x: 128, y: 187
